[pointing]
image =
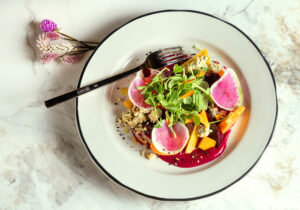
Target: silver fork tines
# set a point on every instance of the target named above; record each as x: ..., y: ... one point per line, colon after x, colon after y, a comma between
x: 171, y: 53
x: 171, y: 57
x: 169, y: 62
x: 169, y: 50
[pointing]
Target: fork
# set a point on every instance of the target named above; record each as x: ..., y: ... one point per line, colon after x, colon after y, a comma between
x: 155, y: 60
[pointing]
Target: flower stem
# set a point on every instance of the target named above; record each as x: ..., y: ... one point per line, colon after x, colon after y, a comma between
x: 71, y: 38
x: 74, y: 53
x: 84, y: 47
x: 90, y: 42
x: 78, y: 52
x: 82, y: 41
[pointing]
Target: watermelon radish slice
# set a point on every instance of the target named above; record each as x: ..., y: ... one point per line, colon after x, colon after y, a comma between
x: 227, y: 92
x: 164, y: 140
x: 134, y: 94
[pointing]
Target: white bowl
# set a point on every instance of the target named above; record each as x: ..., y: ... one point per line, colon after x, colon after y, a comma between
x: 125, y: 48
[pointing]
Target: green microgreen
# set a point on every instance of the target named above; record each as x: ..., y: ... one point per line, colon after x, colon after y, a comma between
x: 164, y: 92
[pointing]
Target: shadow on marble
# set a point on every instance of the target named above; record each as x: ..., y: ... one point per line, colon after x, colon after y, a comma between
x: 60, y: 120
x: 32, y: 33
x: 98, y: 34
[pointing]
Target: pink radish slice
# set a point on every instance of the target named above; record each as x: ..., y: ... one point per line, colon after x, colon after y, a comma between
x: 135, y: 95
x: 164, y: 140
x: 227, y: 92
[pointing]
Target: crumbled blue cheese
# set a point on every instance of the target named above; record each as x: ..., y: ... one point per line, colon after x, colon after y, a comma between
x: 213, y: 111
x: 198, y: 64
x: 203, y: 131
x: 136, y: 116
x: 215, y: 67
x: 201, y: 62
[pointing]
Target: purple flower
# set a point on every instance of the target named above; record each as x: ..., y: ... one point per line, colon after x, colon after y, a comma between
x: 48, y: 25
x: 48, y: 57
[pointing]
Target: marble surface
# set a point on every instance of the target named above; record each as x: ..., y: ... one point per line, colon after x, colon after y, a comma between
x: 43, y: 164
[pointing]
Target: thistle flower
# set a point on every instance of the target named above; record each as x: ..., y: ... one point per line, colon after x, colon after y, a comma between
x: 48, y: 57
x: 48, y: 25
x: 71, y: 59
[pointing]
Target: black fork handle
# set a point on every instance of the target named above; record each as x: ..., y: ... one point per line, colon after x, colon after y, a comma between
x: 75, y: 93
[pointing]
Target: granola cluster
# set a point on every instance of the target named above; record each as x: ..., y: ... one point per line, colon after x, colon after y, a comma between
x: 136, y: 117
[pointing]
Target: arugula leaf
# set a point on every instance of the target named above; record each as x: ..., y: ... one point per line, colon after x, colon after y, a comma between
x: 158, y: 87
x: 177, y: 69
x: 196, y: 119
x: 174, y: 81
x: 187, y: 107
x: 188, y: 100
x: 182, y: 118
x: 173, y: 95
x: 158, y: 124
x: 148, y: 89
x: 205, y: 102
x: 204, y: 69
x: 165, y: 91
x: 141, y: 87
x: 204, y: 84
x: 148, y: 101
x: 155, y: 79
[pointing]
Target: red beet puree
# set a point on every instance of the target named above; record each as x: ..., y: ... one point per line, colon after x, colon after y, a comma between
x: 198, y: 156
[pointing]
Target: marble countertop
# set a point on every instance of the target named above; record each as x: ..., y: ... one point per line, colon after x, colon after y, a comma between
x: 43, y: 164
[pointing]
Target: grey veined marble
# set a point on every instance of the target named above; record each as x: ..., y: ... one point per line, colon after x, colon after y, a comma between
x: 44, y: 165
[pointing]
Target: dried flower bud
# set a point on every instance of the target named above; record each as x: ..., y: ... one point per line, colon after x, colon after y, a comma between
x: 52, y: 35
x: 48, y: 57
x: 47, y: 42
x: 48, y: 25
x: 71, y: 59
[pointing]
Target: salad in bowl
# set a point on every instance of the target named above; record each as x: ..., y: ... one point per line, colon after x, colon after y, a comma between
x: 184, y: 113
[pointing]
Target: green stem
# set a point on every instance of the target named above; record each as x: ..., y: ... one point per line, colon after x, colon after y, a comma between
x: 173, y: 132
x: 219, y: 120
x: 205, y: 92
x: 215, y: 121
